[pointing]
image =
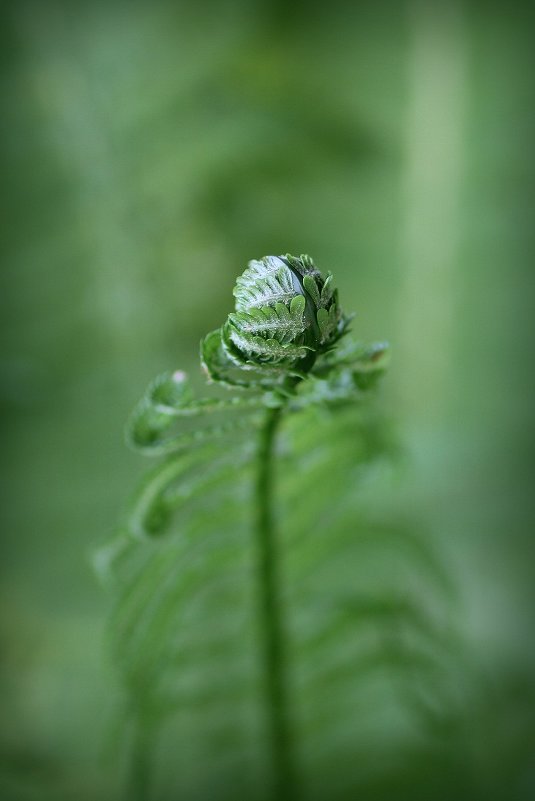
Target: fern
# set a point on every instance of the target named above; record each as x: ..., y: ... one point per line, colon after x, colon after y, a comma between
x: 238, y: 603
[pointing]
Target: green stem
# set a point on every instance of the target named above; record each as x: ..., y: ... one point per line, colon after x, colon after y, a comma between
x: 271, y: 618
x: 140, y: 767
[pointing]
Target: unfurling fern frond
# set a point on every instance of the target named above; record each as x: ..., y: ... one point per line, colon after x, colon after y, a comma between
x: 247, y: 622
x: 287, y: 315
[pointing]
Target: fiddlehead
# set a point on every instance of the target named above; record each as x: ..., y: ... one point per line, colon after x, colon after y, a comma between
x: 284, y: 329
x: 287, y: 315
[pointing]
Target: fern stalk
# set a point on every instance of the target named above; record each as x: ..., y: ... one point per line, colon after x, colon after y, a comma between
x: 271, y: 616
x: 139, y: 761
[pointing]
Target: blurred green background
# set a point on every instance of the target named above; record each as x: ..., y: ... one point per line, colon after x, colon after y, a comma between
x: 150, y: 150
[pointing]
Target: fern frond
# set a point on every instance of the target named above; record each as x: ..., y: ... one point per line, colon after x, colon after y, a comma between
x: 258, y: 350
x: 277, y: 321
x: 264, y: 283
x: 209, y: 640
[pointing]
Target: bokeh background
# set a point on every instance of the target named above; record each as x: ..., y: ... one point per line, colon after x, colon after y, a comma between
x: 148, y: 151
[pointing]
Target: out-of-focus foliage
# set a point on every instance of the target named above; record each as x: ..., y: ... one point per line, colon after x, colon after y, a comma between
x: 366, y: 603
x: 148, y: 150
